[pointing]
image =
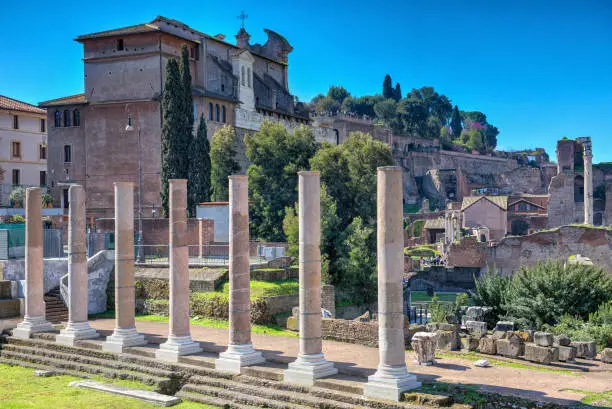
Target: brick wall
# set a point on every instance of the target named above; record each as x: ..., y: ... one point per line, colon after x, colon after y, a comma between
x: 155, y: 231
x: 467, y: 253
x: 328, y: 298
x: 362, y: 333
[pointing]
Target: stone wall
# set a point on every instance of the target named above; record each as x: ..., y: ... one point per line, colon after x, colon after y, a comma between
x: 561, y: 206
x: 282, y: 303
x: 440, y: 278
x: 362, y: 333
x: 467, y: 253
x: 328, y: 298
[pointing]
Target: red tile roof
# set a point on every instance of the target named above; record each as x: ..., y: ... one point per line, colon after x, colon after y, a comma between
x: 71, y: 99
x: 11, y: 104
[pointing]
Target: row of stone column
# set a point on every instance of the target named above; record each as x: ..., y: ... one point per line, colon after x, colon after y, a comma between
x: 388, y: 382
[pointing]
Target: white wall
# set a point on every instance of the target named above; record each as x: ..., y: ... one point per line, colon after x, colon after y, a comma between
x: 220, y: 214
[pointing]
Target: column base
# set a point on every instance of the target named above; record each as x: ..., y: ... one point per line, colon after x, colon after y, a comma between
x: 237, y: 356
x: 76, y: 331
x: 389, y: 383
x: 175, y: 347
x: 307, y: 368
x: 123, y: 338
x: 32, y: 325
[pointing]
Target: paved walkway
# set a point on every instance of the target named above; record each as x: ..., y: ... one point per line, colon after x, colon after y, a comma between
x: 363, y: 360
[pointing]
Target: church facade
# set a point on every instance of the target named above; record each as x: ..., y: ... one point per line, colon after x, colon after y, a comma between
x: 90, y: 142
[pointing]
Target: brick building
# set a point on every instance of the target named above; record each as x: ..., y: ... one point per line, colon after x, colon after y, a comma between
x: 239, y: 84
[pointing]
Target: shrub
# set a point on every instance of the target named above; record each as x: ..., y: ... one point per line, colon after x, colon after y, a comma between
x: 14, y: 219
x: 492, y: 291
x: 598, y: 328
x: 47, y: 200
x: 17, y: 196
x: 425, y: 250
x: 438, y: 310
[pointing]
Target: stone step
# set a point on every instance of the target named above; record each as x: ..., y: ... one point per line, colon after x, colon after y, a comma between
x: 112, y: 364
x: 262, y: 399
x: 9, y: 308
x: 5, y: 289
x: 140, y: 394
x: 213, y: 401
x: 162, y: 385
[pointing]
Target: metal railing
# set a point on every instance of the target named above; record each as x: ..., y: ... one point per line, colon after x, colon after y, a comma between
x: 207, y: 254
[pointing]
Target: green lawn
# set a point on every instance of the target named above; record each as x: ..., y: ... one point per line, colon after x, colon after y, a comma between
x: 261, y: 289
x: 20, y: 389
x: 421, y: 296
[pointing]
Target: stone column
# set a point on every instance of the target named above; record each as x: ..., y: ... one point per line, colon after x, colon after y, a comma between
x: 179, y: 339
x: 240, y: 351
x: 587, y: 157
x: 34, y: 318
x: 78, y: 280
x: 392, y: 377
x: 125, y: 334
x: 310, y: 363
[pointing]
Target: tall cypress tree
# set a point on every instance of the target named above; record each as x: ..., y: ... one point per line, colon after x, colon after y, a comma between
x: 388, y: 91
x: 398, y: 92
x: 198, y: 184
x: 455, y: 123
x: 173, y: 127
x: 187, y: 109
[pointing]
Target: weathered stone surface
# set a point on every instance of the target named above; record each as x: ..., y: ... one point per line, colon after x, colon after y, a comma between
x: 448, y: 340
x: 476, y: 326
x: 292, y: 323
x: 427, y: 399
x: 540, y: 354
x: 147, y: 396
x: 487, y: 346
x: 441, y: 326
x: 424, y: 345
x: 606, y: 356
x: 526, y: 336
x: 585, y: 349
x: 470, y: 343
x: 561, y: 340
x: 543, y: 339
x: 566, y: 354
x: 504, y: 326
x: 512, y: 348
x: 500, y: 334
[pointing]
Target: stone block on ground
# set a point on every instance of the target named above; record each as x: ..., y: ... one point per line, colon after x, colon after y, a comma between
x: 476, y: 326
x: 561, y: 340
x: 424, y: 345
x: 585, y: 349
x: 526, y: 336
x: 566, y: 354
x: 365, y: 317
x: 539, y: 354
x: 292, y: 324
x: 487, y: 346
x: 427, y: 399
x: 504, y: 326
x: 543, y: 339
x: 500, y: 334
x: 146, y: 396
x: 44, y: 373
x: 606, y: 356
x: 441, y: 326
x: 470, y: 343
x: 448, y: 340
x: 512, y: 348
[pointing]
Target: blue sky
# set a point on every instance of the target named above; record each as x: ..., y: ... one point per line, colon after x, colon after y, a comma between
x: 539, y: 70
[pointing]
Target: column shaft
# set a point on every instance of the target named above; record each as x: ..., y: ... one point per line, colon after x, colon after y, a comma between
x: 588, y: 185
x: 391, y: 378
x: 240, y: 352
x: 78, y: 326
x: 179, y: 338
x: 310, y: 364
x: 34, y: 318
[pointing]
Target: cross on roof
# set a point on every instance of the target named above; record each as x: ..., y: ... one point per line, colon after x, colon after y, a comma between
x: 243, y: 17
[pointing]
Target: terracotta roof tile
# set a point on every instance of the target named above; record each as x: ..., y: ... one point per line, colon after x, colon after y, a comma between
x: 136, y: 29
x: 11, y: 104
x: 71, y: 99
x: 499, y: 201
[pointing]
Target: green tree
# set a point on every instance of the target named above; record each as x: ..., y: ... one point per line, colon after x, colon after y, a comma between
x: 276, y: 155
x: 199, y: 183
x: 174, y: 161
x: 337, y: 93
x: 387, y: 89
x: 476, y: 140
x: 398, y: 92
x: 359, y: 263
x: 455, y: 123
x: 491, y: 133
x: 386, y: 110
x: 223, y: 161
x: 326, y: 106
x: 188, y: 100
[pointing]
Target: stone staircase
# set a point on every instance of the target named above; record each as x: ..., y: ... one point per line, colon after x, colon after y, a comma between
x: 55, y: 309
x: 192, y: 378
x: 8, y: 307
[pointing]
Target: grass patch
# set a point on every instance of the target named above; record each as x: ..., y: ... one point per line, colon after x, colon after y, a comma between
x: 472, y: 356
x: 603, y: 399
x: 19, y: 388
x: 259, y: 289
x: 213, y: 323
x: 421, y: 296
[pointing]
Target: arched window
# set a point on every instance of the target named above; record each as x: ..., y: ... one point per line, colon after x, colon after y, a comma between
x: 242, y: 75
x: 217, y: 112
x: 76, y: 118
x: 210, y: 111
x: 58, y: 119
x: 249, y: 77
x: 66, y: 117
x: 223, y: 113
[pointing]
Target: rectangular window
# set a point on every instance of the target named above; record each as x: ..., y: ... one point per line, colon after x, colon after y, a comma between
x: 16, y: 177
x: 43, y: 178
x: 16, y: 149
x: 67, y: 154
x: 194, y: 52
x: 42, y: 152
x: 15, y: 121
x: 66, y: 201
x: 120, y: 44
x: 42, y: 125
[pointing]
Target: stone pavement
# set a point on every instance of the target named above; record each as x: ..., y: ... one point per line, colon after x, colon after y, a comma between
x: 361, y: 360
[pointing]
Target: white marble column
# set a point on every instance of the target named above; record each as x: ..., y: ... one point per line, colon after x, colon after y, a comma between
x: 588, y: 180
x: 125, y: 334
x: 78, y: 326
x: 34, y: 318
x: 392, y: 377
x: 310, y: 363
x: 179, y: 338
x: 240, y: 351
